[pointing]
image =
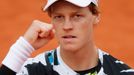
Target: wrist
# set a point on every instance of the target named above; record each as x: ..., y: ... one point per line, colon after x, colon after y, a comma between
x: 19, y: 52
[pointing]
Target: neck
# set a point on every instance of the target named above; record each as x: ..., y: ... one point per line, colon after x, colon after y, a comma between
x: 82, y: 59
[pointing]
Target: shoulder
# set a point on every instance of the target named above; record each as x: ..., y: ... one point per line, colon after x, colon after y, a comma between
x: 116, y: 66
x: 35, y: 65
x: 40, y: 58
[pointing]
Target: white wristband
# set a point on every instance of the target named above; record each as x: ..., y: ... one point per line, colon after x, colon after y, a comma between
x: 19, y: 52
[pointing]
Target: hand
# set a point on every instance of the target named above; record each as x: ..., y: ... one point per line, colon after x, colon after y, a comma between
x: 39, y: 34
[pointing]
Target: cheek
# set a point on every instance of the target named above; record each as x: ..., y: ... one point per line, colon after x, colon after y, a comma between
x: 57, y: 29
x: 57, y: 26
x: 86, y: 26
x: 86, y: 29
x: 54, y: 26
x: 86, y: 22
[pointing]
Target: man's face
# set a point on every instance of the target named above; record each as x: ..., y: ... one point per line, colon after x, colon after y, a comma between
x: 73, y: 25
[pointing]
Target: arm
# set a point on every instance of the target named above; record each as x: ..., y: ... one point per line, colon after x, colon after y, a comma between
x: 36, y: 36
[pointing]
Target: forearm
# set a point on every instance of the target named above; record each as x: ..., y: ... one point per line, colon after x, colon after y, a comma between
x: 38, y: 35
x: 17, y: 55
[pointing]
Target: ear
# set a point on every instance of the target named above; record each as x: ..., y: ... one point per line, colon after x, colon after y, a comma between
x: 97, y: 19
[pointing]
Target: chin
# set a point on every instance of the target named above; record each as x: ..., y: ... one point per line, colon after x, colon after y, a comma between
x: 69, y: 47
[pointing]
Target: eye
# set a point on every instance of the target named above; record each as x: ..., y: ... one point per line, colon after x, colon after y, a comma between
x: 78, y: 15
x: 58, y: 17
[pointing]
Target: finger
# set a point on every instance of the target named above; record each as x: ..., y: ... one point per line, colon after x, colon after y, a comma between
x: 44, y: 34
x: 42, y: 25
x: 45, y: 30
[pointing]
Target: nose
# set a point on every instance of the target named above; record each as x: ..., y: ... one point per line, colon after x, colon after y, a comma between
x: 67, y: 25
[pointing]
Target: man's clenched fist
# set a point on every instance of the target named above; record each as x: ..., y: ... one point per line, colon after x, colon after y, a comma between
x: 39, y: 34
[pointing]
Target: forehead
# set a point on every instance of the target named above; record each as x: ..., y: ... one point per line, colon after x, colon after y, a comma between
x: 65, y: 6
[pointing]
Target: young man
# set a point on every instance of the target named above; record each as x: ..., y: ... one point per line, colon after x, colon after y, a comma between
x: 73, y: 22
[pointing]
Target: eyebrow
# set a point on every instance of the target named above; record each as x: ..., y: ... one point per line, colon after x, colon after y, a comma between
x: 73, y: 12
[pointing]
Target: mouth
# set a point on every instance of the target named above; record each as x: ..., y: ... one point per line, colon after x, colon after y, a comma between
x: 68, y: 36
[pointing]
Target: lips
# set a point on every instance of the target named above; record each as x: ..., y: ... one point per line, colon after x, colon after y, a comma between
x: 68, y: 36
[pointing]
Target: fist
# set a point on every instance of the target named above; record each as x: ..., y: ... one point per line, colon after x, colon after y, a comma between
x: 39, y: 34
